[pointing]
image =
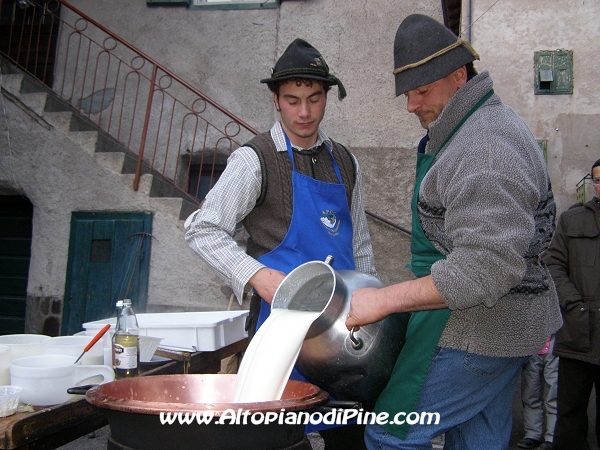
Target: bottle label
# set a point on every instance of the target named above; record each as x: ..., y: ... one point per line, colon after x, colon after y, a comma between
x: 125, y: 357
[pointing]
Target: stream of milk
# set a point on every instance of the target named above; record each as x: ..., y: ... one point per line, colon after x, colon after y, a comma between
x: 271, y: 355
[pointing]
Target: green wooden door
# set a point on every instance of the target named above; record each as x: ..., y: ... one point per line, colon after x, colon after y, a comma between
x: 16, y: 215
x: 109, y: 259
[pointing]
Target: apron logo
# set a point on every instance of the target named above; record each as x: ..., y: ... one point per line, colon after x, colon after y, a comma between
x: 330, y: 221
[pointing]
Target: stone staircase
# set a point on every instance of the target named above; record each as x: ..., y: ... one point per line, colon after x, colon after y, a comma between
x: 179, y: 279
x: 47, y: 109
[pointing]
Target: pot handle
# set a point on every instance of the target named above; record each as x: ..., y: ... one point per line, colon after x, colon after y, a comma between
x: 357, y: 342
x: 80, y: 390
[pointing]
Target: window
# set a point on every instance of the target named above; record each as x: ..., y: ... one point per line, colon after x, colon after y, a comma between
x: 202, y: 179
x: 219, y: 4
x: 553, y: 72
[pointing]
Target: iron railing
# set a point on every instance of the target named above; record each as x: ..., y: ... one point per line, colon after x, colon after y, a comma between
x: 171, y: 127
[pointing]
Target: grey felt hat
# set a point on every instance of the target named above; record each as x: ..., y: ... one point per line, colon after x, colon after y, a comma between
x: 302, y: 60
x: 426, y: 51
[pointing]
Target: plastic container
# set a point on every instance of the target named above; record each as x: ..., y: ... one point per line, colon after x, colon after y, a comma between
x: 22, y: 345
x: 204, y: 331
x: 5, y: 359
x: 74, y: 345
x: 148, y: 345
x: 9, y: 399
x: 46, y: 378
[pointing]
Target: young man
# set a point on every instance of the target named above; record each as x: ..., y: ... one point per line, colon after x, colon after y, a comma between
x: 298, y: 194
x: 574, y: 262
x: 483, y: 212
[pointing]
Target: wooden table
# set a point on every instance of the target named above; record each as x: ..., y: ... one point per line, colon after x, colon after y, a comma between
x: 53, y: 426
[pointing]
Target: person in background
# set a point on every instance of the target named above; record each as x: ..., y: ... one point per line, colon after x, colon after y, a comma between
x: 298, y: 194
x: 538, y: 395
x: 483, y: 213
x: 574, y: 262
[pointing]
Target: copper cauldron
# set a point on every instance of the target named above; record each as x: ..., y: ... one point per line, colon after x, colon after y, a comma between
x: 133, y: 407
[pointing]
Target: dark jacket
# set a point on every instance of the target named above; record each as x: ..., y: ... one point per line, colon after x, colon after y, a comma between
x: 574, y: 262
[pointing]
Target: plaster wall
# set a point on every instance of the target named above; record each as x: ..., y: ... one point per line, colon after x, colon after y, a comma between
x: 506, y: 34
x: 59, y: 172
x: 224, y: 54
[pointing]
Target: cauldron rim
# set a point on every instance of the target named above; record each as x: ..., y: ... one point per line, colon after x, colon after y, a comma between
x: 297, y: 396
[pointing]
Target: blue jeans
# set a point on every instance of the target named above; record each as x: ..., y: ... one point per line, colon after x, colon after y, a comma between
x: 473, y: 395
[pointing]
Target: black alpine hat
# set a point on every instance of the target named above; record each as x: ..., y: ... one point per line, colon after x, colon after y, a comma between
x: 426, y: 51
x: 302, y: 60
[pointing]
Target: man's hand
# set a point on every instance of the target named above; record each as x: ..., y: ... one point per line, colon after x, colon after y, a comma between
x: 365, y: 307
x: 265, y: 282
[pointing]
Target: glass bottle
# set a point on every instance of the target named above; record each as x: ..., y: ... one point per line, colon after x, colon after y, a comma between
x: 126, y: 347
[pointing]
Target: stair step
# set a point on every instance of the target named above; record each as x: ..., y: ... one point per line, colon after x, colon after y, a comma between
x: 168, y: 205
x: 112, y: 160
x: 80, y: 124
x: 86, y: 140
x: 35, y: 101
x: 108, y: 144
x: 55, y: 104
x: 12, y: 82
x: 32, y: 86
x: 187, y: 208
x: 144, y: 186
x: 59, y: 120
x: 7, y: 67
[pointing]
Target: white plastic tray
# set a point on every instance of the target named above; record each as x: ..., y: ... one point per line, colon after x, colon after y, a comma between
x: 201, y: 331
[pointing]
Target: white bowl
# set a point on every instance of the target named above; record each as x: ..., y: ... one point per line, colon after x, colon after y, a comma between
x: 74, y: 345
x: 46, y: 378
x: 22, y: 345
x: 5, y: 359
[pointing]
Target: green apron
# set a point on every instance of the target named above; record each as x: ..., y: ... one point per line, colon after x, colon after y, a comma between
x: 424, y: 327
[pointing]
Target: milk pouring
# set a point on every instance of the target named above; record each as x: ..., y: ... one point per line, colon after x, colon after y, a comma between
x: 307, y: 327
x: 271, y: 355
x: 353, y: 365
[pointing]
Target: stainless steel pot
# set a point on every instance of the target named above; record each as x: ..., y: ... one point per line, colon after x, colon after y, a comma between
x: 353, y: 365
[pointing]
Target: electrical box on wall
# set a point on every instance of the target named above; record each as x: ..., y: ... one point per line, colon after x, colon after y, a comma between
x: 553, y: 72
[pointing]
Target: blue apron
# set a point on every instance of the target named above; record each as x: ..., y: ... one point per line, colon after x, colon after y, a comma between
x: 321, y: 225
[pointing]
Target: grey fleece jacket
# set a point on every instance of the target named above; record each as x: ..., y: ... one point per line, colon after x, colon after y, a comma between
x: 486, y: 204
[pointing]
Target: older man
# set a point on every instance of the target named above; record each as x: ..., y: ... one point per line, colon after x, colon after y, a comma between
x: 483, y: 212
